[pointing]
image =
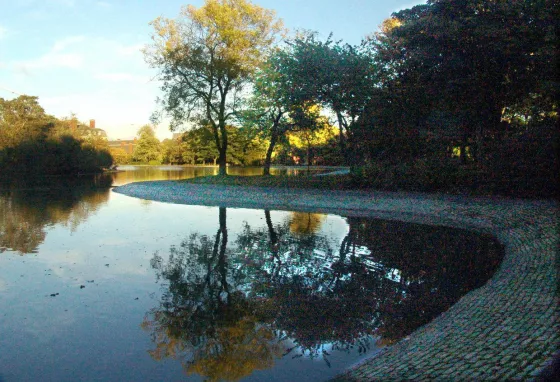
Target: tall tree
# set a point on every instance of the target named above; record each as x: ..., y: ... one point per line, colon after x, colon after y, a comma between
x: 457, y: 66
x: 268, y: 109
x: 148, y: 147
x: 337, y: 76
x: 23, y: 119
x: 206, y: 57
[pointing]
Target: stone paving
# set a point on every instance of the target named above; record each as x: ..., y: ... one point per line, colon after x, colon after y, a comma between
x: 507, y: 329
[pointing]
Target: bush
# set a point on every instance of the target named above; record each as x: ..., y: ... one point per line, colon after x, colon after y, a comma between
x: 62, y: 156
x: 423, y: 174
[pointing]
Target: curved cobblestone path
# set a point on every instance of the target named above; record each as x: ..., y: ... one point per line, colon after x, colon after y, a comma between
x: 507, y: 329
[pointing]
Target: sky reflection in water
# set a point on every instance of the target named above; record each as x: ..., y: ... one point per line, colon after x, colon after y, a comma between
x: 97, y: 285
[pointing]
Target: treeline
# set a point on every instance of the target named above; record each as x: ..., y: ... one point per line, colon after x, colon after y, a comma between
x: 448, y: 95
x: 465, y: 97
x: 247, y: 147
x: 34, y: 144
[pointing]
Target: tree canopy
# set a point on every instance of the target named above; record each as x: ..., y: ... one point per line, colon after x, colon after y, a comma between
x: 205, y: 58
x: 148, y: 148
x: 444, y: 94
x: 23, y: 119
x: 34, y: 144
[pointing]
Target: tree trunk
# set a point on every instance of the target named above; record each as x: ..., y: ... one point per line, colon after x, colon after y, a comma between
x: 272, y: 233
x: 308, y: 157
x: 222, y: 161
x: 222, y: 164
x: 222, y: 236
x: 341, y: 140
x: 269, y: 151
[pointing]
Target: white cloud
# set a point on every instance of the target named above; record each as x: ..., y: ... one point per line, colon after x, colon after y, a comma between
x: 24, y: 71
x: 62, y: 44
x: 100, y: 78
x: 56, y: 57
x: 54, y: 60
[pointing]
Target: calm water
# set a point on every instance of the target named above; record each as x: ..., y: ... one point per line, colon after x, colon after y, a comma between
x: 95, y: 285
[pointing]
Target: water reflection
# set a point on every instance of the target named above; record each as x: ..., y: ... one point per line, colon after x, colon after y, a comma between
x: 204, y: 319
x: 428, y: 268
x: 305, y: 223
x: 26, y: 211
x: 284, y: 291
x: 27, y: 208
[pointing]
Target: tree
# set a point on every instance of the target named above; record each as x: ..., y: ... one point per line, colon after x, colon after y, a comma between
x: 457, y: 66
x: 205, y: 58
x: 172, y: 151
x: 339, y: 77
x: 269, y: 106
x: 34, y: 144
x: 310, y: 136
x: 23, y: 119
x: 197, y: 146
x: 147, y: 148
x: 248, y: 147
x: 120, y: 156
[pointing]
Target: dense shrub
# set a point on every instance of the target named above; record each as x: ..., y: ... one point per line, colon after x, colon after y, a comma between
x: 524, y: 163
x: 62, y: 156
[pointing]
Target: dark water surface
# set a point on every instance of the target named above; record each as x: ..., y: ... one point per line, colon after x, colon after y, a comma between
x: 96, y: 285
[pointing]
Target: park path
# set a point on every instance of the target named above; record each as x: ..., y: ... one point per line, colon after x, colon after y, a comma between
x: 507, y: 329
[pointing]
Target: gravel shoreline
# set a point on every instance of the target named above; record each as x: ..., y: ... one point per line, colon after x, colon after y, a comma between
x: 507, y: 329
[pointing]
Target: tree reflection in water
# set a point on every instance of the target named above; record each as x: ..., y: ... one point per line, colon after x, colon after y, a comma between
x: 205, y: 320
x: 228, y: 310
x: 26, y: 210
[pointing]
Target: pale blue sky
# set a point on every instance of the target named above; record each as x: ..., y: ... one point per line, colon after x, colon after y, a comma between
x: 83, y: 56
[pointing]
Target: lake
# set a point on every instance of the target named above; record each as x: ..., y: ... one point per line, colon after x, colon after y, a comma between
x: 95, y: 285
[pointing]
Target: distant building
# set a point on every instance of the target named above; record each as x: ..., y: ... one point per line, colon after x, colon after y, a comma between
x: 86, y: 131
x: 126, y: 144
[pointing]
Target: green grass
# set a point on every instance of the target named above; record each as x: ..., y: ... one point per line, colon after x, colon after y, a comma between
x: 390, y: 178
x: 331, y: 182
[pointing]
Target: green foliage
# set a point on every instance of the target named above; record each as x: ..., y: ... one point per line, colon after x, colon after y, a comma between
x: 474, y: 75
x: 267, y: 109
x: 520, y: 164
x: 196, y: 146
x: 147, y: 149
x: 34, y: 144
x: 52, y: 157
x: 465, y: 60
x: 172, y: 151
x: 339, y: 77
x: 205, y: 58
x: 23, y: 119
x: 120, y: 156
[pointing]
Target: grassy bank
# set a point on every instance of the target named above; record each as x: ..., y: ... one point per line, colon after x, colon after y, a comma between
x: 462, y: 181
